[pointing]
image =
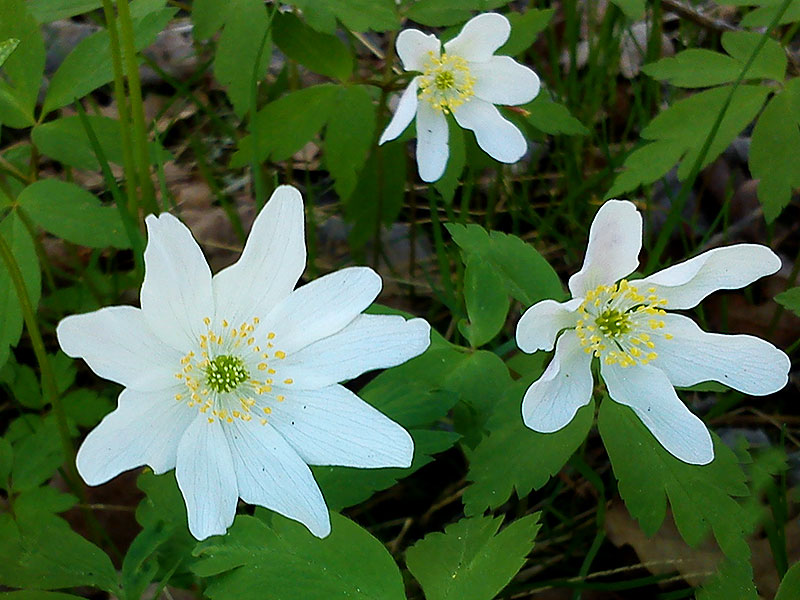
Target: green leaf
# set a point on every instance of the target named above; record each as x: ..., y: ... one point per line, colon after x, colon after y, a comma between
x: 89, y: 65
x: 140, y: 564
x: 238, y: 49
x: 790, y: 585
x: 733, y: 580
x: 526, y: 275
x: 525, y: 28
x: 22, y: 70
x: 790, y: 299
x: 769, y: 162
x: 437, y: 13
x: 536, y: 457
x: 349, y: 137
x: 47, y: 11
x: 208, y: 17
x: 700, y: 496
x: 320, y: 52
x: 765, y: 14
x: 284, y: 126
x: 66, y: 141
x: 695, y: 67
x: 70, y: 212
x: 769, y: 63
x: 553, y: 118
x: 36, y: 457
x: 348, y: 564
x: 633, y: 9
x: 356, y: 15
x: 19, y: 240
x: 378, y: 195
x: 6, y: 48
x: 680, y: 131
x: 6, y: 461
x: 86, y: 407
x: 36, y: 595
x: 469, y: 561
x: 487, y: 302
x: 40, y: 551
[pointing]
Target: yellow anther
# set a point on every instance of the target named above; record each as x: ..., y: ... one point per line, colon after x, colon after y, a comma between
x: 271, y: 335
x: 262, y: 366
x: 288, y: 381
x: 280, y: 354
x: 207, y: 321
x: 267, y: 410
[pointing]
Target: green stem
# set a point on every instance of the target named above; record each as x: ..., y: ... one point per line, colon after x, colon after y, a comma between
x: 137, y: 107
x: 49, y: 386
x: 129, y: 165
x: 676, y: 210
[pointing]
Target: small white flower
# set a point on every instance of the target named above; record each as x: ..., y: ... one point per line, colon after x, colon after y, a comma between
x: 232, y: 379
x: 643, y: 350
x: 466, y: 80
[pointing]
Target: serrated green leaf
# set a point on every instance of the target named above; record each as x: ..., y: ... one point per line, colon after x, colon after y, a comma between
x: 47, y: 11
x: 733, y: 580
x: 19, y: 240
x: 633, y: 9
x: 37, y: 455
x: 470, y: 561
x: 553, y: 118
x: 6, y: 461
x: 700, y: 496
x: 769, y: 63
x: 356, y: 15
x: 769, y: 162
x: 525, y: 28
x: 70, y: 212
x: 680, y: 132
x: 22, y: 70
x: 515, y: 458
x: 486, y: 299
x: 790, y: 299
x: 319, y: 52
x: 89, y: 64
x: 349, y: 137
x: 527, y: 276
x: 140, y: 564
x: 284, y: 126
x: 240, y: 48
x: 790, y: 585
x: 6, y: 48
x: 695, y: 67
x: 438, y: 13
x: 348, y: 564
x: 86, y: 407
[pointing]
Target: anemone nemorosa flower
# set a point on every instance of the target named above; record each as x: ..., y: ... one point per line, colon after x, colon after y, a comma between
x: 233, y: 379
x: 466, y: 80
x: 644, y: 351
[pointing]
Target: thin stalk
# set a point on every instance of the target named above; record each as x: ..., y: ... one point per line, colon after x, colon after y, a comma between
x: 129, y: 165
x: 676, y: 209
x: 49, y: 386
x: 137, y: 107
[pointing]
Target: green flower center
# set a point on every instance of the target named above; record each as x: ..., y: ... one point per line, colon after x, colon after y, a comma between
x: 613, y: 323
x: 225, y: 373
x: 444, y: 81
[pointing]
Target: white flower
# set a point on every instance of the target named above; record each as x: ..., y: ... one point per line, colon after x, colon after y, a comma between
x: 232, y: 379
x: 467, y: 80
x: 643, y: 350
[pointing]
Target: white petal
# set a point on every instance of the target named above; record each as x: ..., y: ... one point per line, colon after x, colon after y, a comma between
x: 542, y: 322
x: 498, y: 136
x: 143, y: 430
x: 333, y: 426
x: 649, y: 393
x: 432, y: 142
x: 271, y: 474
x: 480, y: 37
x: 684, y: 285
x: 414, y: 48
x: 615, y: 240
x: 502, y: 80
x: 271, y: 263
x: 743, y: 362
x: 321, y: 308
x: 176, y: 292
x: 403, y: 114
x: 206, y: 477
x: 117, y: 344
x: 566, y: 385
x: 369, y: 342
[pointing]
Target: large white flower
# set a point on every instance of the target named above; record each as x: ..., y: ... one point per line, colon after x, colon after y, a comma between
x: 232, y: 379
x: 466, y: 80
x: 643, y: 350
